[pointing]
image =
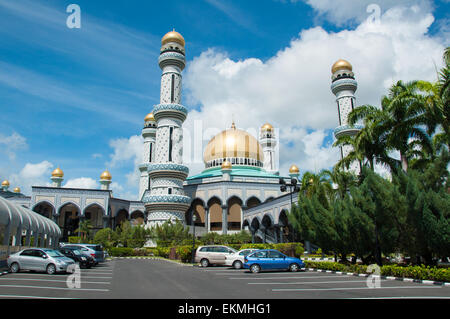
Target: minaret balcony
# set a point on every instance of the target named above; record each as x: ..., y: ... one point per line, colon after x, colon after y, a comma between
x: 167, y: 170
x: 174, y: 110
x: 344, y: 84
x: 347, y: 130
x: 172, y: 58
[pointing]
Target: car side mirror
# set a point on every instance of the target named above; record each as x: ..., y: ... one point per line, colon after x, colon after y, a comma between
x: 45, y: 256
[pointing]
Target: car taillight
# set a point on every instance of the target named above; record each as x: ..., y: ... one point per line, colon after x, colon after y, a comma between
x: 93, y: 255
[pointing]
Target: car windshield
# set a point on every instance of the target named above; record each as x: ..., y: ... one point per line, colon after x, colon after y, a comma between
x: 76, y: 252
x: 53, y: 253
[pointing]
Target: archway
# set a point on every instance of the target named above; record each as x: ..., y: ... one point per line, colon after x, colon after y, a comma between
x: 285, y: 229
x: 215, y: 213
x: 94, y: 213
x: 252, y: 202
x: 137, y: 218
x: 198, y: 207
x: 69, y: 219
x: 234, y: 213
x: 45, y: 209
x: 121, y: 216
x: 254, y: 227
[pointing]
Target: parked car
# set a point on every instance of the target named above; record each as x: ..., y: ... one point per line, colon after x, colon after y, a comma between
x: 39, y: 259
x: 84, y: 260
x: 270, y: 259
x: 237, y: 259
x: 212, y: 255
x: 96, y: 251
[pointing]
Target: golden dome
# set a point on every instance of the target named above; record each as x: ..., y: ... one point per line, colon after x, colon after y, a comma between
x: 226, y: 165
x: 267, y: 127
x: 294, y: 169
x: 106, y: 175
x: 149, y: 117
x: 341, y: 65
x: 173, y: 36
x: 58, y: 173
x: 5, y: 183
x: 17, y: 190
x: 233, y: 143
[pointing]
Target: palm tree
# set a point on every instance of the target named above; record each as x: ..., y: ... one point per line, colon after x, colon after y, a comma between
x: 406, y: 110
x: 369, y: 145
x: 342, y: 181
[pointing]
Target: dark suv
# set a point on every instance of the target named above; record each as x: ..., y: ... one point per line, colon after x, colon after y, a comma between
x: 85, y: 260
x: 96, y: 251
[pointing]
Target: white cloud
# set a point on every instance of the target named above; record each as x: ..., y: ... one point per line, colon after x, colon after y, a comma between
x: 343, y: 11
x: 82, y: 182
x: 126, y: 151
x: 9, y: 145
x: 292, y: 89
x: 32, y: 175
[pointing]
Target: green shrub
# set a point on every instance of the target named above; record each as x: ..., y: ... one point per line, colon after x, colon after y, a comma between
x: 120, y: 251
x: 74, y: 239
x: 415, y: 272
x: 184, y: 253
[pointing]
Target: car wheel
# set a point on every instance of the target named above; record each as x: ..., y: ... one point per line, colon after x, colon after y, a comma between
x: 237, y: 264
x: 294, y: 267
x: 14, y: 267
x: 204, y: 262
x: 51, y: 269
x: 255, y: 268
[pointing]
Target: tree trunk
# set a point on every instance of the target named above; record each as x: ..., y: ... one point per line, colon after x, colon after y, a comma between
x: 378, y: 247
x: 404, y: 161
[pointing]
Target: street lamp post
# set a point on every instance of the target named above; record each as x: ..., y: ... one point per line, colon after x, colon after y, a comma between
x: 292, y: 189
x: 194, y: 219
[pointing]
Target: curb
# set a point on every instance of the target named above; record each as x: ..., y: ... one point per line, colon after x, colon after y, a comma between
x: 2, y: 273
x: 420, y: 281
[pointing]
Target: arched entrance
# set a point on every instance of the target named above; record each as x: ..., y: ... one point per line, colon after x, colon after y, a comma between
x: 215, y: 213
x: 45, y: 209
x: 198, y: 208
x: 254, y: 227
x: 234, y: 213
x: 94, y: 213
x: 69, y: 219
x: 137, y: 218
x: 252, y: 202
x: 121, y: 216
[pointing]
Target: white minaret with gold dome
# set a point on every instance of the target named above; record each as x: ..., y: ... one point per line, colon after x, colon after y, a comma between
x: 57, y: 177
x: 148, y: 153
x: 105, y: 180
x: 165, y: 200
x: 268, y: 143
x: 344, y: 87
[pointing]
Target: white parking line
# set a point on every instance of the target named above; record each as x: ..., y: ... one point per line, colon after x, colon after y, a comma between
x: 290, y: 277
x: 51, y: 280
x: 351, y: 288
x: 32, y: 297
x: 57, y: 288
x: 304, y: 282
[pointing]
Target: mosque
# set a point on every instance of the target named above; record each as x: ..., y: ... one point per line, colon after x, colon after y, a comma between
x: 238, y: 189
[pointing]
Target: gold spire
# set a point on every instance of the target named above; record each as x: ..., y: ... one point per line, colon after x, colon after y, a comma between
x: 149, y: 117
x: 294, y: 169
x: 226, y: 165
x: 341, y: 65
x: 173, y: 36
x: 5, y: 183
x: 106, y: 175
x: 17, y: 190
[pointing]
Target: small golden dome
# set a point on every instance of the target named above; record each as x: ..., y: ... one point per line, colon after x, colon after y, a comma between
x: 226, y: 165
x: 17, y: 190
x: 149, y: 117
x: 267, y: 127
x: 294, y: 169
x: 341, y: 65
x: 173, y: 36
x: 58, y: 173
x: 5, y: 183
x: 106, y: 175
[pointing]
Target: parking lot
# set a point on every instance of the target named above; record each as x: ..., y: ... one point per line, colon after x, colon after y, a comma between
x: 146, y: 278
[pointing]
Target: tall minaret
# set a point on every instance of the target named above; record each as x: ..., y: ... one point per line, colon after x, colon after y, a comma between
x: 148, y: 154
x: 344, y: 87
x: 166, y: 199
x: 57, y: 177
x: 268, y: 143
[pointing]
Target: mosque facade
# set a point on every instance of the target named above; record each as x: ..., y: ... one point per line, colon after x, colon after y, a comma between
x: 238, y: 189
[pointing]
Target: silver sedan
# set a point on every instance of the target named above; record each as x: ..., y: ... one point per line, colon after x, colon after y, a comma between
x: 39, y: 259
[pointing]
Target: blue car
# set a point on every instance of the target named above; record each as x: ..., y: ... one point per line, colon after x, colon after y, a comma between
x: 270, y: 259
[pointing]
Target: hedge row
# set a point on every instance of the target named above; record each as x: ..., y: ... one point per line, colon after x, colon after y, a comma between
x: 415, y: 272
x: 184, y: 252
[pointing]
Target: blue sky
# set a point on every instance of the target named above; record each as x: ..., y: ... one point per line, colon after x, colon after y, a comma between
x: 75, y: 98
